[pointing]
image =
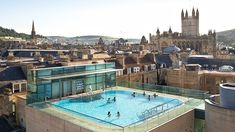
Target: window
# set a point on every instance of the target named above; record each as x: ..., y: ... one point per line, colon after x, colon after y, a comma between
x: 145, y: 67
x: 136, y: 69
x: 23, y: 87
x: 128, y: 70
x: 153, y: 66
x: 16, y: 88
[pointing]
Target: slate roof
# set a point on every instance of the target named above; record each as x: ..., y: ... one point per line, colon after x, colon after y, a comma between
x: 171, y: 48
x: 164, y: 59
x: 210, y: 62
x: 12, y: 74
x: 129, y: 60
x: 5, y: 127
x: 31, y: 53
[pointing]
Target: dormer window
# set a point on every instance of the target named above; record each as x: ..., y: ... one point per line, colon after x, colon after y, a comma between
x: 153, y: 66
x: 145, y: 67
x: 136, y: 69
x: 128, y: 70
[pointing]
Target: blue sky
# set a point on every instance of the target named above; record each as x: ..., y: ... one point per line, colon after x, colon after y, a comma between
x: 118, y: 18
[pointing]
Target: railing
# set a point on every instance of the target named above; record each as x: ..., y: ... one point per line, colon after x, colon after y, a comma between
x: 152, y: 119
x: 155, y: 110
x: 192, y: 93
x: 161, y: 118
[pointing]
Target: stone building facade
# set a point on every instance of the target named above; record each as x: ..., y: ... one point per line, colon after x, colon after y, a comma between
x: 198, y: 79
x: 189, y: 38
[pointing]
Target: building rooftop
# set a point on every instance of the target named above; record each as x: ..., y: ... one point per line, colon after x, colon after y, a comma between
x: 12, y: 74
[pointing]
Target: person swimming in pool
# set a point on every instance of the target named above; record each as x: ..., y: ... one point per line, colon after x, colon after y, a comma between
x: 109, y: 114
x: 144, y: 93
x: 114, y: 99
x: 133, y: 94
x: 118, y: 114
x: 108, y: 101
x: 149, y: 97
x: 155, y: 95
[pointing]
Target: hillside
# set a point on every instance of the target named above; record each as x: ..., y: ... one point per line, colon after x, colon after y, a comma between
x: 12, y: 33
x: 88, y: 39
x: 227, y: 37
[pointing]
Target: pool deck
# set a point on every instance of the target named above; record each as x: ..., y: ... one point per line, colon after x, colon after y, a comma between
x: 152, y: 122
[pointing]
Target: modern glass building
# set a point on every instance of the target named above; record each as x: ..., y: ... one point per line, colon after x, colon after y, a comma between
x: 57, y: 82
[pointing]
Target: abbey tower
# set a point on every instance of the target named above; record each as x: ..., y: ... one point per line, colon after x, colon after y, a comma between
x: 189, y: 38
x: 190, y: 24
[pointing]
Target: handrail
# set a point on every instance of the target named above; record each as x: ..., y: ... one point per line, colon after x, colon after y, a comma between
x: 155, y: 108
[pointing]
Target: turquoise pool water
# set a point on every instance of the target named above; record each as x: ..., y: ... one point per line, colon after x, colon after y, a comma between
x: 132, y: 109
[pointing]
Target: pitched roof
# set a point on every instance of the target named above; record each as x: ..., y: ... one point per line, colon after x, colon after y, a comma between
x: 164, y: 59
x: 210, y: 62
x: 12, y: 73
x: 171, y: 48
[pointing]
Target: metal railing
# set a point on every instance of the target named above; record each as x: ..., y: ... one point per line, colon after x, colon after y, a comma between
x: 158, y: 109
x: 192, y: 93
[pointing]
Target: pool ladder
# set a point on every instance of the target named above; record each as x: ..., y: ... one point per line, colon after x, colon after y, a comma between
x: 90, y: 91
x: 155, y: 110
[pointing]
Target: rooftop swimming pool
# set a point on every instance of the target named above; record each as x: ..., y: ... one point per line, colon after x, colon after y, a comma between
x: 131, y: 108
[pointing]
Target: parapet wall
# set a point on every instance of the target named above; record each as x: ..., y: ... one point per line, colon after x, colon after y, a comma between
x: 219, y: 119
x: 38, y: 121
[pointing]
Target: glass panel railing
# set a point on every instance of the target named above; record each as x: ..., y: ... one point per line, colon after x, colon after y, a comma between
x: 163, y: 117
x: 79, y: 119
x: 193, y: 93
x: 152, y: 117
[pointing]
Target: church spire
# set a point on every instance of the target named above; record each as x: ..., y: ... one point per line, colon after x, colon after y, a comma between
x: 33, y: 29
x: 33, y: 34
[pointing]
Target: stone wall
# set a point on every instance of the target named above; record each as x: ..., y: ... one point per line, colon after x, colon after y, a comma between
x: 20, y: 111
x: 201, y: 80
x: 142, y: 77
x: 183, y: 123
x: 182, y: 78
x: 5, y: 104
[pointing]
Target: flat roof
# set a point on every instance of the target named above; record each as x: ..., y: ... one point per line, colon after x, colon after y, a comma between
x: 70, y: 66
x: 67, y: 75
x: 219, y: 73
x: 36, y: 50
x: 204, y: 56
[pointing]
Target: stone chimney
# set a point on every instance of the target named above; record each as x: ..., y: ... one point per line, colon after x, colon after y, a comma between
x: 121, y: 59
x: 136, y: 58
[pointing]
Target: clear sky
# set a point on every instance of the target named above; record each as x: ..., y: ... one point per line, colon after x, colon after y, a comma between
x: 117, y: 18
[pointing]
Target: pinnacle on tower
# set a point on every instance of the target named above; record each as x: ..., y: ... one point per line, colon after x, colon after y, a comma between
x: 193, y: 12
x: 186, y: 14
x: 197, y: 13
x: 214, y: 33
x: 170, y: 31
x: 182, y: 14
x: 158, y: 32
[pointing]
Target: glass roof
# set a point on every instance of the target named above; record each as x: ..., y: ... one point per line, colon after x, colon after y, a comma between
x: 67, y: 75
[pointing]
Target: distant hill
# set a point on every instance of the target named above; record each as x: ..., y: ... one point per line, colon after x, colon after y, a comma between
x: 227, y: 37
x: 88, y: 39
x: 12, y: 33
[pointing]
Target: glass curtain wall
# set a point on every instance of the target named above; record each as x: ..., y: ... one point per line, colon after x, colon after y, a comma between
x: 40, y: 89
